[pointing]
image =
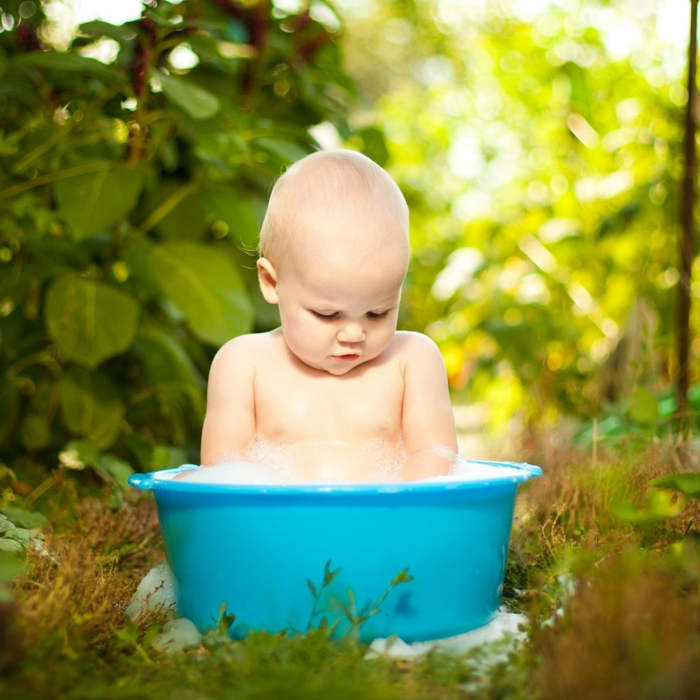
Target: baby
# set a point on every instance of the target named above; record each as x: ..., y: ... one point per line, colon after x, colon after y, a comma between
x: 336, y: 377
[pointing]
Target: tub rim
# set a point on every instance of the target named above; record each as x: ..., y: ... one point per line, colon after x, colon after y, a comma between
x: 153, y: 480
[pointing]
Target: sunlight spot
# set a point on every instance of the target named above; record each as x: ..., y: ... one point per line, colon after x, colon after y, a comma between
x: 104, y: 50
x: 580, y: 296
x: 609, y: 327
x: 668, y: 278
x: 398, y: 31
x: 538, y: 254
x: 460, y: 268
x: 629, y: 109
x: 107, y: 10
x: 672, y: 21
x: 322, y: 13
x: 182, y: 57
x: 472, y: 205
x: 436, y: 70
x: 532, y: 289
x: 327, y: 135
x: 290, y: 7
x: 601, y: 349
x: 582, y: 130
x: 558, y: 228
x: 465, y: 157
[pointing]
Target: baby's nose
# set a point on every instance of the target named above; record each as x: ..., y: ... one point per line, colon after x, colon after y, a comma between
x: 351, y: 333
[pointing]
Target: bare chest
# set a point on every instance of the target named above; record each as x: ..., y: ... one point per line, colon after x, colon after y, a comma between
x: 293, y: 406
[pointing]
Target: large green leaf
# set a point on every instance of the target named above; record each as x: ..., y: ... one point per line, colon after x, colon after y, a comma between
x: 89, y: 321
x: 79, y: 454
x: 91, y: 406
x: 170, y: 371
x: 34, y: 432
x: 285, y: 150
x: 687, y: 483
x: 118, y: 32
x: 236, y: 210
x: 187, y: 220
x: 196, y: 101
x: 202, y: 282
x: 94, y: 202
x: 71, y: 63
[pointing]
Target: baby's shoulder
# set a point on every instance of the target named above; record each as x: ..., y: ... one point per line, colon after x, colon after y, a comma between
x: 413, y: 347
x: 246, y: 350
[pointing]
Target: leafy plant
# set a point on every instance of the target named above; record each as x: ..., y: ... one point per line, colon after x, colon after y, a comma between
x: 328, y: 577
x: 357, y: 618
x: 354, y: 617
x: 131, y: 191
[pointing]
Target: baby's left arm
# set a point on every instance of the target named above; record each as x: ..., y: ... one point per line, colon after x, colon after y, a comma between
x: 428, y: 420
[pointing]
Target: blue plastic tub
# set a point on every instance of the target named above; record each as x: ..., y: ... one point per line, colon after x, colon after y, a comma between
x: 255, y: 548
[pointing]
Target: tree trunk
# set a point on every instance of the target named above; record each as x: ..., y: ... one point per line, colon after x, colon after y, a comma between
x: 686, y: 237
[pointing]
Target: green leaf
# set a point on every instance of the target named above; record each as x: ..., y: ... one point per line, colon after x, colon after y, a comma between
x: 644, y: 408
x: 89, y: 321
x: 34, y: 432
x: 171, y: 372
x: 30, y: 519
x: 116, y: 470
x: 120, y: 33
x: 166, y: 457
x: 660, y: 505
x: 286, y: 151
x: 196, y: 101
x: 236, y: 210
x: 71, y: 63
x: 79, y: 454
x: 688, y: 483
x: 164, y: 358
x: 91, y: 407
x: 188, y: 218
x: 202, y: 282
x: 402, y: 577
x: 374, y: 144
x: 92, y: 203
x: 11, y: 566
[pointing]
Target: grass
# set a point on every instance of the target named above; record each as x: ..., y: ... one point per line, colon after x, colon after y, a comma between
x: 606, y: 571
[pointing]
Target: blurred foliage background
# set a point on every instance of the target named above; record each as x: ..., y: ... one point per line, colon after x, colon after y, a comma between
x: 538, y: 144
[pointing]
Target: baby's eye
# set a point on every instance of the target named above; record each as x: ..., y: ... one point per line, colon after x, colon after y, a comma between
x: 326, y: 316
x: 377, y: 314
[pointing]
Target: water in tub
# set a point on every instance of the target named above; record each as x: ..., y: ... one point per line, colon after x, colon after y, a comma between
x: 308, y: 463
x: 337, y: 462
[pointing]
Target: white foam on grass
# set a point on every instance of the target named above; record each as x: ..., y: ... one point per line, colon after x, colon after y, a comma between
x: 156, y: 591
x: 504, y: 626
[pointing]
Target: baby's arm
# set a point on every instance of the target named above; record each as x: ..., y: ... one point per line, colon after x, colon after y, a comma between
x: 428, y: 420
x: 229, y: 424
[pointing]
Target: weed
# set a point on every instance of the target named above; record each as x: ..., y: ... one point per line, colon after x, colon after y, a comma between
x: 328, y: 577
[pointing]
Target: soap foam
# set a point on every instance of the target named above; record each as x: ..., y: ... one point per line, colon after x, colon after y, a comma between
x: 334, y: 463
x: 239, y: 472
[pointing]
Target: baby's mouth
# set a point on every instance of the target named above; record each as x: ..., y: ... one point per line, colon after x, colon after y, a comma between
x: 346, y: 356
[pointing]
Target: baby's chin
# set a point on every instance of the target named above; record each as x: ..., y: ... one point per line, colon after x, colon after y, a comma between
x: 336, y: 367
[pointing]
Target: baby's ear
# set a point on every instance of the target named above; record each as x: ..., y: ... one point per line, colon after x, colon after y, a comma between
x: 267, y: 278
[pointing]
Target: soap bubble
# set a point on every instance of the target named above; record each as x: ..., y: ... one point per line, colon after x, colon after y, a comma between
x: 338, y: 462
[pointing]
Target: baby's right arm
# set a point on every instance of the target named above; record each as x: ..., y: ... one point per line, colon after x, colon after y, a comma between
x: 229, y: 424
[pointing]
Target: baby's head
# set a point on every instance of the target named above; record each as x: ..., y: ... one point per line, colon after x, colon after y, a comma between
x: 334, y: 252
